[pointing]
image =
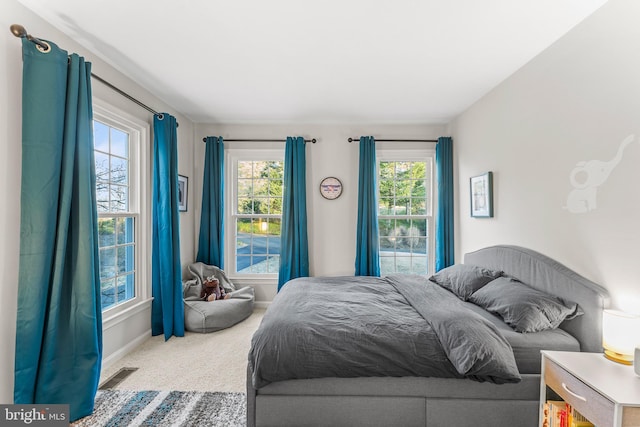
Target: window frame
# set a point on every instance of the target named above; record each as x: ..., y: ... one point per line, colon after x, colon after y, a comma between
x: 428, y: 154
x: 139, y: 196
x: 232, y: 156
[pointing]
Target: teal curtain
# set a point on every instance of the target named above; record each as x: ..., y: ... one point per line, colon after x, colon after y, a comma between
x: 211, y: 239
x: 367, y: 241
x: 444, y: 215
x: 59, y: 321
x: 167, y: 308
x: 294, y: 247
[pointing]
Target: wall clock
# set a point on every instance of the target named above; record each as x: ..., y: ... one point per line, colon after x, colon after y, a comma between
x: 330, y: 188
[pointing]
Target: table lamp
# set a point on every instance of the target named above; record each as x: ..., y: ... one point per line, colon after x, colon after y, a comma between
x: 620, y: 335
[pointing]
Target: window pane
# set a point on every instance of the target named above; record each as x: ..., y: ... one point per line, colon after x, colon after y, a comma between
x: 261, y: 205
x: 119, y: 143
x: 260, y: 187
x: 245, y: 206
x: 106, y: 232
x: 401, y: 206
x: 102, y: 197
x: 119, y: 198
x: 387, y: 238
x: 125, y: 259
x: 108, y: 294
x: 419, y: 246
x: 385, y: 206
x: 107, y: 263
x: 419, y: 188
x: 125, y: 230
x: 243, y: 229
x: 130, y: 288
x: 260, y: 169
x: 243, y: 263
x: 102, y: 167
x: 387, y: 264
x: 419, y: 265
x: 125, y: 288
x: 119, y: 170
x: 245, y: 188
x: 273, y: 264
x: 274, y: 228
x: 386, y: 189
x: 100, y: 136
x: 276, y: 207
x: 418, y: 207
x: 245, y: 170
x: 403, y: 263
x: 275, y: 170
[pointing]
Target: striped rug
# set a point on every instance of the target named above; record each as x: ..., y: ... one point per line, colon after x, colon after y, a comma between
x: 119, y: 408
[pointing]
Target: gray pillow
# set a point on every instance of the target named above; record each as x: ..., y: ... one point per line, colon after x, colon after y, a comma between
x: 523, y: 308
x: 464, y: 279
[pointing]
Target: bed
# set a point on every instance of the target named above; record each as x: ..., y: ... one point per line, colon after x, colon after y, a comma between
x: 295, y: 391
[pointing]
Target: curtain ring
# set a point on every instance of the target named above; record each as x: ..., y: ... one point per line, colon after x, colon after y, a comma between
x: 43, y: 49
x: 160, y: 116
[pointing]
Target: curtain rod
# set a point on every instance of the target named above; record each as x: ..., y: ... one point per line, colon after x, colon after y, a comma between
x: 313, y: 141
x: 396, y: 140
x: 20, y: 32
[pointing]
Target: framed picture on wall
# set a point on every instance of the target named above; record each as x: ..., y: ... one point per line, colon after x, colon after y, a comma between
x: 481, y: 192
x: 183, y: 192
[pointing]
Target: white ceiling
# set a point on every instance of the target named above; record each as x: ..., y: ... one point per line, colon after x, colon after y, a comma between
x: 289, y: 61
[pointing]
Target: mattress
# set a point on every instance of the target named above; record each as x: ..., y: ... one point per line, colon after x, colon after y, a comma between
x: 527, y: 346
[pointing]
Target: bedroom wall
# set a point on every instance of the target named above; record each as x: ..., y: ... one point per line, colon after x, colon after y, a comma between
x: 331, y: 224
x: 118, y: 335
x: 575, y: 102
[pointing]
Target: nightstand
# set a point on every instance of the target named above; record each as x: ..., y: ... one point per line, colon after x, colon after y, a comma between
x: 605, y: 392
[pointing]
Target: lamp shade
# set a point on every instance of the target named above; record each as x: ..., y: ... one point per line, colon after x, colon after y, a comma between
x: 620, y: 335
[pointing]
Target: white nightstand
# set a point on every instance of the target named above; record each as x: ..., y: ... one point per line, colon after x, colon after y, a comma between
x: 605, y: 392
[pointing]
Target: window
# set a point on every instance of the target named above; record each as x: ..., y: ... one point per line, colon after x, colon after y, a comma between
x: 256, y: 212
x: 405, y: 215
x: 118, y: 197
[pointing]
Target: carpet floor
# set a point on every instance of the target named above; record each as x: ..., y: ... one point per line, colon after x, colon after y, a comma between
x: 118, y: 408
x: 196, y: 362
x: 195, y: 380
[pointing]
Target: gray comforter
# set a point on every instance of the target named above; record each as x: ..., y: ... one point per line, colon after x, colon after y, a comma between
x: 367, y: 326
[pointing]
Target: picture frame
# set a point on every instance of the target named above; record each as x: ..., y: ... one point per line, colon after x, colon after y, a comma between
x: 481, y: 194
x: 183, y: 192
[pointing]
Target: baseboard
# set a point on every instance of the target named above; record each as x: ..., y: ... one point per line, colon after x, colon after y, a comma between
x: 262, y: 304
x: 106, y: 362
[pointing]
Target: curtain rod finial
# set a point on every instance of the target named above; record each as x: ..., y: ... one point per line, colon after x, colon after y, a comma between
x: 18, y: 30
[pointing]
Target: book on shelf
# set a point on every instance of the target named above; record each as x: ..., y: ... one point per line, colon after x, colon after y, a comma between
x: 558, y: 413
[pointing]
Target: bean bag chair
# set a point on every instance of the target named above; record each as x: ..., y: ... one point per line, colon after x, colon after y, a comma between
x: 210, y: 316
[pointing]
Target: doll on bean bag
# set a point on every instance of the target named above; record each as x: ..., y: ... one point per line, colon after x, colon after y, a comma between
x: 212, y: 291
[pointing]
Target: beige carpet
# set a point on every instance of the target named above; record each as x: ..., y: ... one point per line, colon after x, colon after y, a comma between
x: 201, y: 362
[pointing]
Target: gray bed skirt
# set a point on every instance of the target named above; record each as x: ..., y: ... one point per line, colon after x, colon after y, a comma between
x: 408, y: 401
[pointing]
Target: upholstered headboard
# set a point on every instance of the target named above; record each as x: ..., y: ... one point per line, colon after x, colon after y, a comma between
x: 545, y: 274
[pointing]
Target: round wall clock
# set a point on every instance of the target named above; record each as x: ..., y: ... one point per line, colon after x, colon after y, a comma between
x: 331, y: 188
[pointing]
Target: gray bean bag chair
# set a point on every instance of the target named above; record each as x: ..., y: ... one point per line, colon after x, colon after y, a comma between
x: 209, y: 316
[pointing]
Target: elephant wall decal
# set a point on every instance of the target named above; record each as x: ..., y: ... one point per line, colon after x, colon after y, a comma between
x: 587, y: 176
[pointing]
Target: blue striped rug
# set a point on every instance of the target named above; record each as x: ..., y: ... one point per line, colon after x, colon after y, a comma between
x: 119, y: 408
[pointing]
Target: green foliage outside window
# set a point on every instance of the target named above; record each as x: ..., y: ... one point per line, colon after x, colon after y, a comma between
x: 260, y: 185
